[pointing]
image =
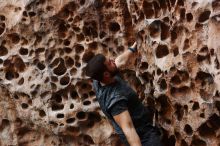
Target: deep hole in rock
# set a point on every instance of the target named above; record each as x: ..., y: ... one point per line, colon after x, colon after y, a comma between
x: 60, y: 116
x: 19, y: 64
x: 214, y: 122
x: 77, y: 57
x: 189, y: 17
x: 201, y: 58
x: 144, y: 65
x: 55, y: 62
x: 72, y: 129
x: 154, y: 28
x: 70, y: 120
x: 175, y: 80
x: 164, y: 104
x: 93, y: 45
x: 174, y: 34
x: 195, y: 106
x: 163, y: 84
x: 9, y: 75
x: 82, y: 2
x: 41, y: 66
x: 71, y: 106
x: 120, y: 49
x: 161, y: 51
x: 177, y: 135
x: 4, y: 124
x: 168, y: 141
x: 60, y: 69
x: 163, y: 4
x: 108, y: 5
x: 217, y: 105
x: 66, y: 42
x: 102, y: 34
x: 2, y: 30
x: 23, y: 51
x: 88, y: 139
x: 84, y: 96
x: 2, y: 17
x: 198, y: 142
x: 24, y: 105
x: 79, y: 48
x: 159, y: 72
x: 69, y: 61
x: 81, y: 115
x: 173, y: 2
x: 54, y: 78
x: 40, y: 50
x: 73, y: 71
x: 87, y: 102
x: 53, y: 123
x: 91, y: 93
x: 188, y: 129
x: 89, y: 29
x: 23, y: 130
x: 67, y: 50
x: 18, y: 122
x: 204, y: 77
x: 179, y: 111
x: 206, y: 131
x: 56, y: 107
x: 180, y: 2
x: 183, y: 143
x: 56, y: 97
x: 146, y: 77
x: 114, y: 26
x: 3, y: 51
x: 176, y: 51
x: 186, y: 44
x: 78, y: 64
x: 42, y: 113
x: 65, y: 80
x: 14, y: 37
x: 204, y: 16
x: 165, y: 30
x: 31, y: 14
x: 74, y: 94
x: 202, y: 115
x: 204, y: 49
x: 182, y: 13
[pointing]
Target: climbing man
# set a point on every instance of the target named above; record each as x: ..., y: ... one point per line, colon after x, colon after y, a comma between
x: 131, y: 120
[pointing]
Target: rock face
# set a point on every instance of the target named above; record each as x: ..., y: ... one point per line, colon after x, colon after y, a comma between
x: 45, y: 98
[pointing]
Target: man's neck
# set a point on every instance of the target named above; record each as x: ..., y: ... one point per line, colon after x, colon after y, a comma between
x: 108, y: 82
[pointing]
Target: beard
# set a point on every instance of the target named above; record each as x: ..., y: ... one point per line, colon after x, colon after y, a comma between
x: 113, y: 73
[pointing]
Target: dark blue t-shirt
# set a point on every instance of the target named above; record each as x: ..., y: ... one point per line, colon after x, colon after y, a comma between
x: 117, y: 97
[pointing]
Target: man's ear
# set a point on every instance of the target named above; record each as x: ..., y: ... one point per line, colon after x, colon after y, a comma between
x: 106, y: 74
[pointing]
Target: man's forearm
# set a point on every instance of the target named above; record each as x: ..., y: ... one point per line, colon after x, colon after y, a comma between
x: 122, y: 59
x: 132, y: 137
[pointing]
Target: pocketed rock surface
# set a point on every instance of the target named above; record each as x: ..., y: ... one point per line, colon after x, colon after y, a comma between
x: 46, y: 99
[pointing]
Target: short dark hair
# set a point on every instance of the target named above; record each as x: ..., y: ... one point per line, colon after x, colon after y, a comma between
x: 96, y: 67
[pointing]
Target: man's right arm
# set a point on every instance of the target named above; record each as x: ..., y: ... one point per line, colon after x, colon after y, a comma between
x: 123, y: 59
x: 124, y: 121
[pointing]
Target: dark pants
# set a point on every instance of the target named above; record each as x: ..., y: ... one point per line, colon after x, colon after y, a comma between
x: 149, y: 138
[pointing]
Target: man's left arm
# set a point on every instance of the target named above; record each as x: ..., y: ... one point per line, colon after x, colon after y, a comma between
x: 124, y: 121
x: 123, y: 59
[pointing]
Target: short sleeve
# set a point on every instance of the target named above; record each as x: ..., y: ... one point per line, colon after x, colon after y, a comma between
x: 118, y: 107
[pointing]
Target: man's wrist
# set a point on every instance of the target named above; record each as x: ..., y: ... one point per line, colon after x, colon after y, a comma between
x: 132, y: 49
